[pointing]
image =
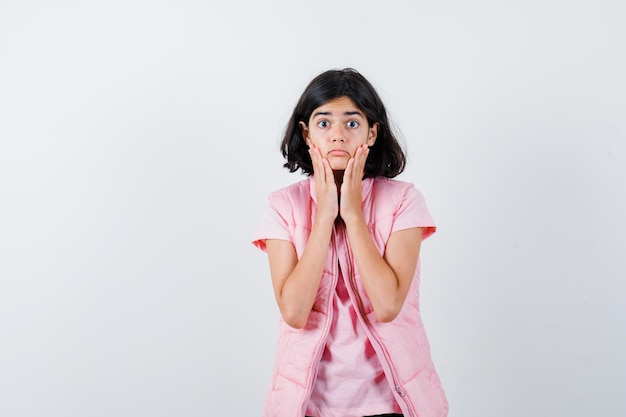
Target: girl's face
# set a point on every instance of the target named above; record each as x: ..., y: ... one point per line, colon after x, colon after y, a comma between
x: 338, y: 128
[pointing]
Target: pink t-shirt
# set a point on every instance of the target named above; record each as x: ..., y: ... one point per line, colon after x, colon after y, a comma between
x: 350, y: 381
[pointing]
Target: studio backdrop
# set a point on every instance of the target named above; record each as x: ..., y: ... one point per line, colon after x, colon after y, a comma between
x: 139, y: 141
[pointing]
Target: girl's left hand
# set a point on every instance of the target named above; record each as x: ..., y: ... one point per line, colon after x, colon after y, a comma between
x: 351, y: 188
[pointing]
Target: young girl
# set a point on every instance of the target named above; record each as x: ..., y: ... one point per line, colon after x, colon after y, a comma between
x: 343, y: 248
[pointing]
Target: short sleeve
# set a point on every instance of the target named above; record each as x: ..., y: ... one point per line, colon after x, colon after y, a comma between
x: 271, y: 226
x: 413, y: 212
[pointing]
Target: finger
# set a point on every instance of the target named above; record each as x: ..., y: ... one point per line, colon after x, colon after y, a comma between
x: 356, y: 164
x: 315, y: 160
x: 321, y: 166
x: 362, y: 156
x: 347, y: 174
x: 328, y: 171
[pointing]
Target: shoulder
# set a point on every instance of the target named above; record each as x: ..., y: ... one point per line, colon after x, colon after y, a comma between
x: 404, y: 203
x: 291, y: 193
x: 393, y: 189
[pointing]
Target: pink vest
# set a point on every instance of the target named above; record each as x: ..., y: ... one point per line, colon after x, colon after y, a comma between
x: 401, y: 345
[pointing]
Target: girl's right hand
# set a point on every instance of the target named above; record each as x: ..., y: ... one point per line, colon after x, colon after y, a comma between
x: 325, y: 187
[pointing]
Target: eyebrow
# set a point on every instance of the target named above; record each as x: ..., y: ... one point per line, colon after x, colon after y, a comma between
x: 347, y: 113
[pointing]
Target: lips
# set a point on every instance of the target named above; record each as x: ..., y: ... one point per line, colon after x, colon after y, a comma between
x: 338, y: 152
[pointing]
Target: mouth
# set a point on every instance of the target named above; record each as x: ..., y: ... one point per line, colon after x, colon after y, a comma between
x: 338, y: 152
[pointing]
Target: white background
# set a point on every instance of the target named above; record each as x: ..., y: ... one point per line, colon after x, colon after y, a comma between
x: 139, y: 140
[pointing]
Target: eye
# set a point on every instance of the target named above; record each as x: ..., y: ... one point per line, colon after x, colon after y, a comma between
x: 323, y: 123
x: 353, y: 124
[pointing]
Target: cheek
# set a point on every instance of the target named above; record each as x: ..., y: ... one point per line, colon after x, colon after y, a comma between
x: 315, y: 138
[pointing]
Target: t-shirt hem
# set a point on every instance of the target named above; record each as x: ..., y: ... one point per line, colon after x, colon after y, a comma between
x: 352, y: 412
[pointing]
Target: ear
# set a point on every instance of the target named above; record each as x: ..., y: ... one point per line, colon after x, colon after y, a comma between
x: 372, y: 134
x: 305, y: 132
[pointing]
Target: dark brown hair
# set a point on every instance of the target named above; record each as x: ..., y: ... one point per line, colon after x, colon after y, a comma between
x: 386, y: 157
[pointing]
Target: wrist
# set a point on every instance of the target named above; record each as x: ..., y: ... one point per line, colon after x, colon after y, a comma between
x: 354, y: 220
x: 324, y: 220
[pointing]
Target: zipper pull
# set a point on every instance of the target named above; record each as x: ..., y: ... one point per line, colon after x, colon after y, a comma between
x: 400, y: 391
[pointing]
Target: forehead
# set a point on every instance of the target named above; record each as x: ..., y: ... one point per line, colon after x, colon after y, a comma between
x: 337, y: 107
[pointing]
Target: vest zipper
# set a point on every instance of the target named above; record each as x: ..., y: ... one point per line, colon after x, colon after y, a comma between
x: 372, y: 333
x: 329, y: 309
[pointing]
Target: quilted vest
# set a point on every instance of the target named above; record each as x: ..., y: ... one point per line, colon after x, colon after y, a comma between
x: 401, y: 345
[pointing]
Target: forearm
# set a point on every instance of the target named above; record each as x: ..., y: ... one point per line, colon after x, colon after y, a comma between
x: 380, y: 282
x: 300, y: 287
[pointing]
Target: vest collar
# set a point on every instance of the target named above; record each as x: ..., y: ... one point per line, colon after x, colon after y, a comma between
x: 366, y: 185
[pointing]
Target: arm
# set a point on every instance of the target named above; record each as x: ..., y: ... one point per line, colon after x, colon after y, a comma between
x: 296, y: 281
x: 386, y: 278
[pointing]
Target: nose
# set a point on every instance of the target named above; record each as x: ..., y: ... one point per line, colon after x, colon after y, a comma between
x: 337, y: 133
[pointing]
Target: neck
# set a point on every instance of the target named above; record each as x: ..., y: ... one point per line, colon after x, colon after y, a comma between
x: 338, y: 178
